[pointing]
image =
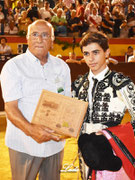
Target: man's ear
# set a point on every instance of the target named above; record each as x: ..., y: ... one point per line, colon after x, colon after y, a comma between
x: 107, y: 53
x: 27, y: 36
x: 52, y: 43
x: 53, y: 38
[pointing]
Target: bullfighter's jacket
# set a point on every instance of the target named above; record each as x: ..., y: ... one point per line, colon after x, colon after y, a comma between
x: 112, y: 97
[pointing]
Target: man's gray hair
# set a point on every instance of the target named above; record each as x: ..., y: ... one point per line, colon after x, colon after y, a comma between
x: 60, y: 9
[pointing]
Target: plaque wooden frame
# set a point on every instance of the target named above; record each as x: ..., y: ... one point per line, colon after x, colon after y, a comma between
x: 63, y: 114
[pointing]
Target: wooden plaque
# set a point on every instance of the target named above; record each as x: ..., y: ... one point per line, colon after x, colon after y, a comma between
x: 61, y: 113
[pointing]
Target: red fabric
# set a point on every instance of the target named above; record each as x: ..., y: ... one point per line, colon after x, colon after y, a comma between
x: 93, y: 175
x: 93, y: 21
x: 80, y: 10
x: 126, y: 135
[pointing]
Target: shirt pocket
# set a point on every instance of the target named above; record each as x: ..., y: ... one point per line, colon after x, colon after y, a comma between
x: 59, y: 85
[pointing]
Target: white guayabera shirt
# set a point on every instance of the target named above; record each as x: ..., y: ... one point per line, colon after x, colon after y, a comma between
x: 22, y: 79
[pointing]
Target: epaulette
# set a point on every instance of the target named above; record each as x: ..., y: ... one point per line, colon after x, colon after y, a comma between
x: 119, y: 80
x: 76, y: 85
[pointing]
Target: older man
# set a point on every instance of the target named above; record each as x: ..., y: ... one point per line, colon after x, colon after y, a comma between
x: 59, y: 22
x: 33, y: 148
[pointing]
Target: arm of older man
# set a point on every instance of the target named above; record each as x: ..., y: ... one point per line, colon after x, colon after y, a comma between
x: 39, y: 133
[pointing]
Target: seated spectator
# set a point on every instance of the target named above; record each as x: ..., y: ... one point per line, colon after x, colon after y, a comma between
x: 59, y: 23
x: 2, y: 19
x: 118, y: 20
x: 74, y: 23
x: 128, y: 53
x: 52, y: 3
x: 132, y: 58
x: 96, y: 3
x: 131, y: 15
x: 105, y: 10
x: 46, y: 12
x: 87, y: 13
x: 117, y: 8
x: 11, y: 28
x: 23, y: 21
x: 132, y: 32
x: 61, y: 5
x: 80, y: 15
x: 124, y: 30
x: 17, y: 15
x: 107, y: 24
x: 68, y: 11
x: 80, y: 10
x: 94, y: 20
x: 6, y: 28
x: 25, y: 6
x: 10, y: 15
x: 104, y: 6
x: 19, y: 5
x: 4, y: 48
x: 88, y: 10
x: 116, y: 2
x: 33, y: 12
x: 125, y: 5
x: 131, y: 20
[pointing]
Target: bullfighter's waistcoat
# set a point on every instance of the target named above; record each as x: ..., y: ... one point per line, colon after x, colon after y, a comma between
x: 108, y: 106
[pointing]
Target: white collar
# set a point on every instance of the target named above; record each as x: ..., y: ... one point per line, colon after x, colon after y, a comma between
x: 34, y: 58
x: 99, y: 76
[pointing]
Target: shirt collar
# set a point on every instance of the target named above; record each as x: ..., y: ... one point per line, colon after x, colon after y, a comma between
x: 34, y: 58
x: 31, y: 56
x: 99, y: 76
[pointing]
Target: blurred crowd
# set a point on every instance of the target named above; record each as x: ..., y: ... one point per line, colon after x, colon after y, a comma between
x: 116, y: 18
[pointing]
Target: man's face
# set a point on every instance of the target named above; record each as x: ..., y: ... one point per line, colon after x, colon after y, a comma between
x: 3, y: 41
x: 94, y: 11
x: 95, y: 57
x: 46, y: 5
x: 39, y: 46
x: 130, y: 50
x: 59, y: 13
x: 73, y: 14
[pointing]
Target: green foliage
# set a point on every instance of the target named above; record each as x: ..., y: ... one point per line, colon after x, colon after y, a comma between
x: 22, y: 33
x: 65, y: 44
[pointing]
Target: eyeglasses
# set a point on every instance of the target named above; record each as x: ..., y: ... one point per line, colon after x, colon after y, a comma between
x: 44, y: 35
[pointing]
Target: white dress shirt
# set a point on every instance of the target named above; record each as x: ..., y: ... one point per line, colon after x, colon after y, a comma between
x: 6, y: 50
x: 131, y: 58
x: 90, y: 127
x: 99, y: 77
x: 22, y: 79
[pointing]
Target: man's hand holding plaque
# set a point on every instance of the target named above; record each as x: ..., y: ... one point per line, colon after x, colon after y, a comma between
x: 60, y: 113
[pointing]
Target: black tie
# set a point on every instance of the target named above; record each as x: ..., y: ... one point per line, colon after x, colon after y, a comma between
x: 94, y: 85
